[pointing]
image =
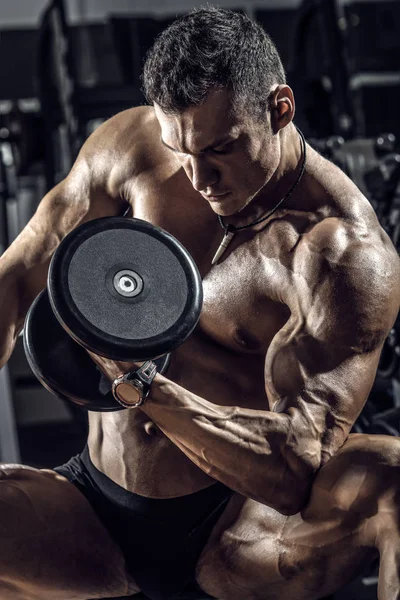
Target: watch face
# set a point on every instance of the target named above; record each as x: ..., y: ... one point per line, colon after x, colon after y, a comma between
x: 128, y: 394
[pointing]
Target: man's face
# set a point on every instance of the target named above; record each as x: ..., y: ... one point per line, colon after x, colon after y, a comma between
x: 228, y: 158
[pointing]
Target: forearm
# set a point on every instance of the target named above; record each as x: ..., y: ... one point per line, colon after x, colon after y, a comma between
x: 24, y: 265
x: 9, y: 325
x: 243, y: 448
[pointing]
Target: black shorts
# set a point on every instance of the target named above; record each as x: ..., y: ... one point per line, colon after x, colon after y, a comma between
x: 160, y: 539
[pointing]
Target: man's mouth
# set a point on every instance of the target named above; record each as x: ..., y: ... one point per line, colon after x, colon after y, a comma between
x: 215, y: 197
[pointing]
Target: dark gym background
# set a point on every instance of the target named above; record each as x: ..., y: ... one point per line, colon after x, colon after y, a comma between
x: 66, y: 66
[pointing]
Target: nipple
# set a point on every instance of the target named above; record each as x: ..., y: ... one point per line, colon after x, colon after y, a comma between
x: 150, y: 428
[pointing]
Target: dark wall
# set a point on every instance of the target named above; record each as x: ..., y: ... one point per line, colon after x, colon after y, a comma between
x: 108, y: 60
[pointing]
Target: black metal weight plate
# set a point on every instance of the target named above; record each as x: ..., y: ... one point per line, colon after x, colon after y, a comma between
x: 62, y: 366
x: 125, y: 289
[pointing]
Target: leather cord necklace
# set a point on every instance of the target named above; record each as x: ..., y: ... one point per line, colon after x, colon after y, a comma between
x: 230, y: 230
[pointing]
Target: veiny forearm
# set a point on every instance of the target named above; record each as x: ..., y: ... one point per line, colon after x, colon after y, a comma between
x: 243, y: 448
x: 22, y: 275
x: 9, y: 325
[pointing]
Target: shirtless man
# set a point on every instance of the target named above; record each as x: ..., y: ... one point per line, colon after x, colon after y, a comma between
x: 238, y: 472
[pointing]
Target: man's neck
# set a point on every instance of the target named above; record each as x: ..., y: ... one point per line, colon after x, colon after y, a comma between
x: 281, y: 182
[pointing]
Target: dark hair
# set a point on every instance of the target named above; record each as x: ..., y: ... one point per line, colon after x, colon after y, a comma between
x: 207, y: 49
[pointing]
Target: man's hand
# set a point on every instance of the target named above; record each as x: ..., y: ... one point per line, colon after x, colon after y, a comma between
x: 113, y: 368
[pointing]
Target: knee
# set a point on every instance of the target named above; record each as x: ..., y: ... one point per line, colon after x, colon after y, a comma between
x: 21, y: 489
x: 385, y: 448
x: 10, y: 472
x: 365, y: 470
x: 375, y: 456
x: 378, y: 456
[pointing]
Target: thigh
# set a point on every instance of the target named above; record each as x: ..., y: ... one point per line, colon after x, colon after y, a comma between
x: 52, y: 544
x: 254, y: 552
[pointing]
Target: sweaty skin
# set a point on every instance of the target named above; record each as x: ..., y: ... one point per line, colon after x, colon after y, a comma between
x: 267, y: 388
x: 292, y: 299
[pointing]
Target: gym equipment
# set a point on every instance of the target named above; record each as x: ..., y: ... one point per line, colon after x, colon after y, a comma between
x: 121, y: 288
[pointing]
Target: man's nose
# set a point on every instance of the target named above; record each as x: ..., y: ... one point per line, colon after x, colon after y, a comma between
x: 201, y: 173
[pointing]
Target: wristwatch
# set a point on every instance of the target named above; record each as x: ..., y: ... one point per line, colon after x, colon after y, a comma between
x: 132, y: 389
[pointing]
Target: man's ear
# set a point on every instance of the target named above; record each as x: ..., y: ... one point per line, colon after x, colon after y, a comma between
x: 281, y: 106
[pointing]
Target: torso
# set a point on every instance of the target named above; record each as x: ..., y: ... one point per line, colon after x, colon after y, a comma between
x: 248, y: 297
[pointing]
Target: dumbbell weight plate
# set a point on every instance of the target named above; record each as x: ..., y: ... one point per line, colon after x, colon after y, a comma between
x: 125, y: 289
x: 62, y: 366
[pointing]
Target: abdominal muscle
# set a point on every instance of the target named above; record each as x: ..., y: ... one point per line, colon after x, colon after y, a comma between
x: 135, y: 454
x: 132, y: 451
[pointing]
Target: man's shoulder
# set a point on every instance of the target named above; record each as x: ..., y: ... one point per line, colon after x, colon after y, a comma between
x: 127, y: 129
x: 352, y: 272
x: 137, y: 116
x: 343, y: 220
x: 122, y: 147
x: 343, y: 236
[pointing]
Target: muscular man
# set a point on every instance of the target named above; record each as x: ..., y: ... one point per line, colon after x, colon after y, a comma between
x: 238, y: 473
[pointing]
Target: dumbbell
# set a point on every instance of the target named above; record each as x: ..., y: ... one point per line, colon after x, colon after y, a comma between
x: 121, y: 288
